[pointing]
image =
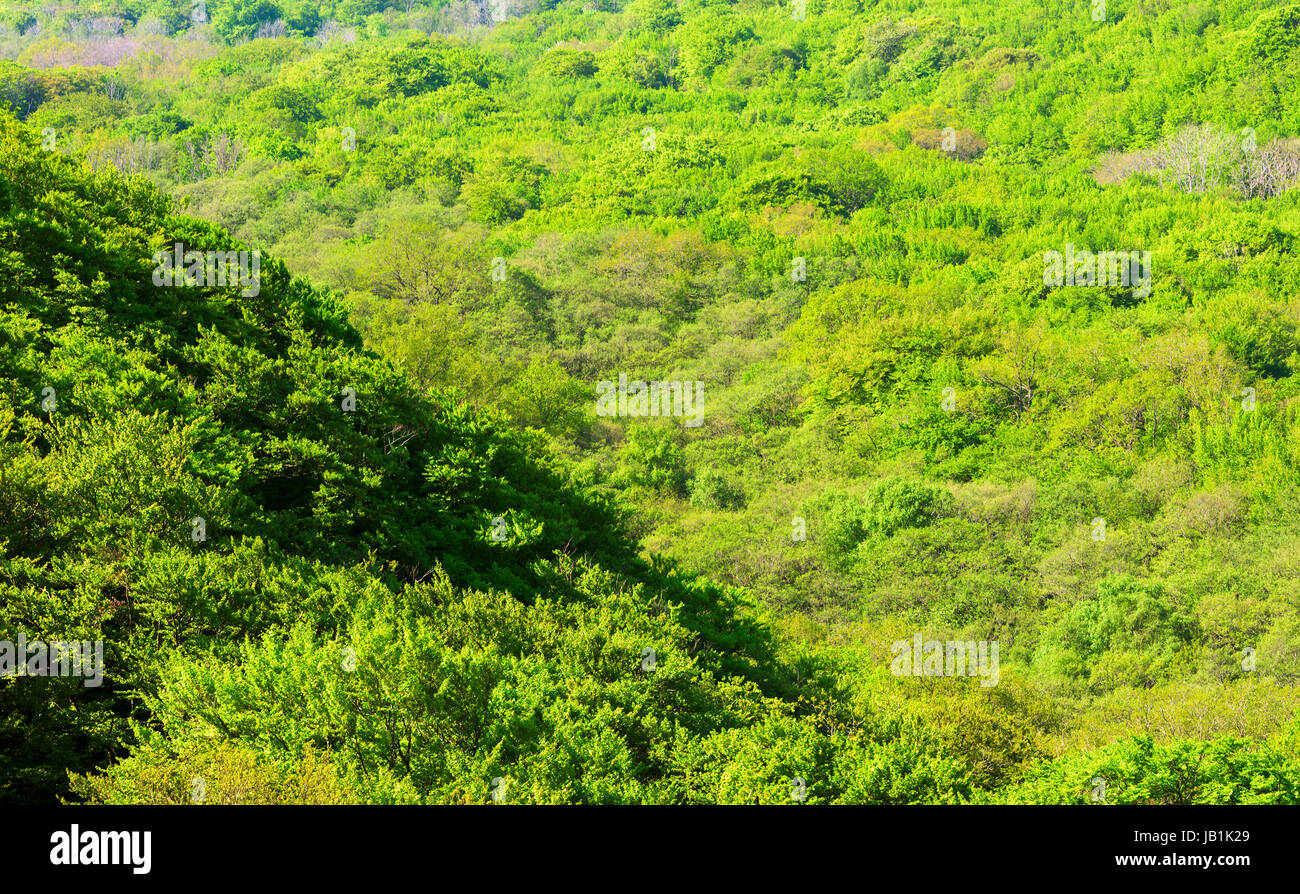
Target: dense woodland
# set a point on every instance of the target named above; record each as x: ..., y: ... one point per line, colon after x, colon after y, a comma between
x: 834, y: 214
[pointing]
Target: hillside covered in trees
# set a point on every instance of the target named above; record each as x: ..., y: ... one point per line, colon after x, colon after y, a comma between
x: 989, y: 315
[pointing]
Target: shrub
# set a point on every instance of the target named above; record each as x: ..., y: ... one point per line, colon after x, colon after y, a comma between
x: 710, y: 489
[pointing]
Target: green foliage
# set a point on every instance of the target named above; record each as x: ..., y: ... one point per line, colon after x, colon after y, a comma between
x: 237, y: 20
x: 841, y: 181
x: 652, y: 459
x: 889, y: 506
x: 552, y: 697
x: 563, y: 63
x: 838, y: 226
x: 710, y: 489
x: 205, y: 403
x: 1129, y: 635
x: 1140, y: 771
x: 503, y: 190
x: 546, y: 396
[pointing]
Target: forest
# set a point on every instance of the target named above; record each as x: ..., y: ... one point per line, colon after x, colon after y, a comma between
x: 650, y: 402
